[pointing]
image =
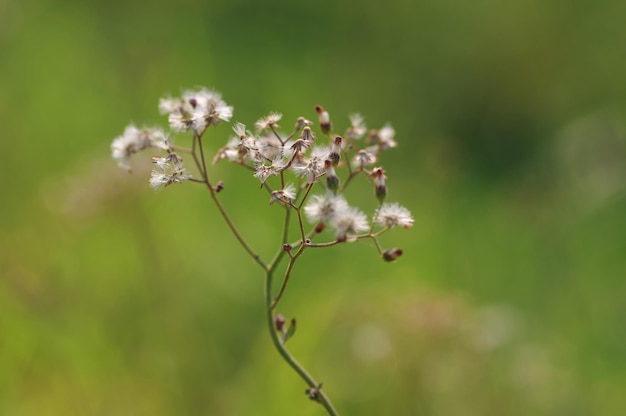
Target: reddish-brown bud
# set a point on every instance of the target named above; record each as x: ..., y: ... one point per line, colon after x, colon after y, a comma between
x: 392, y: 254
x: 324, y: 119
x: 279, y: 322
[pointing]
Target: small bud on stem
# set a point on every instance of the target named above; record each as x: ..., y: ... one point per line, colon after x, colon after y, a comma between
x: 392, y: 254
x: 324, y: 119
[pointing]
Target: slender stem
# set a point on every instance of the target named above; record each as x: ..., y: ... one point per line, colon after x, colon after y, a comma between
x: 282, y: 142
x: 306, y: 195
x: 320, y: 395
x: 221, y: 209
x: 350, y: 177
x: 283, y: 286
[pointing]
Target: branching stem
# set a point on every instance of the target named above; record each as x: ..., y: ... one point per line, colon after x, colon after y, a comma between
x: 320, y: 395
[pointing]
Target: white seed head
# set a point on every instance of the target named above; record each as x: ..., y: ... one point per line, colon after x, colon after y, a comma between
x: 349, y: 223
x: 268, y: 121
x: 325, y: 208
x: 392, y: 215
x: 134, y: 140
x: 386, y: 136
x: 357, y: 127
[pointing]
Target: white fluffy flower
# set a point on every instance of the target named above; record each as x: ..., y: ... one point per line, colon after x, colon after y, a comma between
x: 392, y: 215
x: 325, y: 208
x: 268, y: 121
x: 386, y: 136
x: 134, y: 140
x: 349, y: 222
x: 357, y: 127
x: 168, y: 170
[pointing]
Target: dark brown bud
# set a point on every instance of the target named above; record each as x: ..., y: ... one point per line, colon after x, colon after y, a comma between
x: 314, y: 393
x: 279, y: 322
x: 324, y: 119
x: 392, y: 254
x: 381, y: 193
x: 332, y: 182
x: 300, y: 123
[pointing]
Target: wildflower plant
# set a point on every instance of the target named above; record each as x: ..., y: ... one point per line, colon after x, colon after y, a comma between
x: 305, y: 172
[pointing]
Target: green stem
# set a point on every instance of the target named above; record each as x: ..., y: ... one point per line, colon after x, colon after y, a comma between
x: 220, y: 207
x: 321, y: 396
x: 283, y: 286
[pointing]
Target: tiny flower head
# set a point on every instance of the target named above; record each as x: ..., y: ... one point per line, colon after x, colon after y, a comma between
x: 324, y: 208
x: 363, y: 158
x: 285, y: 196
x: 349, y: 223
x: 392, y: 215
x: 307, y: 137
x: 357, y: 127
x: 324, y: 119
x: 262, y: 171
x: 268, y: 121
x: 302, y: 122
x: 134, y: 140
x: 386, y: 135
x: 240, y: 130
x: 383, y: 138
x: 206, y: 108
x: 168, y: 170
x: 300, y: 145
x: 310, y: 169
x: 180, y: 122
x: 378, y: 176
x: 335, y: 150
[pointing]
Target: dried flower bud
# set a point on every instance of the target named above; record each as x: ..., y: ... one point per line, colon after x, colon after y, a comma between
x: 279, y: 322
x: 335, y: 151
x: 219, y: 186
x: 381, y: 192
x: 320, y: 227
x: 302, y: 122
x: 392, y: 254
x: 332, y: 180
x: 324, y: 119
x: 287, y: 247
x: 378, y: 176
x: 363, y: 158
x: 314, y: 393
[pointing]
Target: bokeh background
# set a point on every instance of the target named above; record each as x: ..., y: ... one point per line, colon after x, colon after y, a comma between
x: 509, y: 300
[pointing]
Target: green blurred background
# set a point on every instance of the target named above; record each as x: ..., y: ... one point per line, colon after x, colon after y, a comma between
x: 510, y: 299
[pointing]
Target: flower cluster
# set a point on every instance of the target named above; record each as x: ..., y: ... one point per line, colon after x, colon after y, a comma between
x: 195, y: 110
x: 300, y: 159
x: 134, y: 140
x: 305, y: 171
x: 271, y: 154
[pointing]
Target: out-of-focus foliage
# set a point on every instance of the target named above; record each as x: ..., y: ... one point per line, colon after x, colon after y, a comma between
x: 509, y: 299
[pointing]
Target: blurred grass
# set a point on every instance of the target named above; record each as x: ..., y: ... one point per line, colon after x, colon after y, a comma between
x: 509, y: 300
